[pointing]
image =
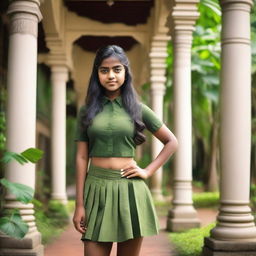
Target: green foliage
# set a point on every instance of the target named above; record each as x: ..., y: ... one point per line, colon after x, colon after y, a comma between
x: 205, y: 86
x: 32, y: 154
x: 50, y: 220
x: 44, y: 92
x: 206, y: 199
x: 22, y: 192
x: 11, y: 222
x: 71, y: 206
x: 58, y: 213
x: 253, y: 197
x: 12, y: 225
x: 29, y: 155
x: 10, y: 156
x: 210, y: 13
x: 190, y: 243
x: 197, y: 184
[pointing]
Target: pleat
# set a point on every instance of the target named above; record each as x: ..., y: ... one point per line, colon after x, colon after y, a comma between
x: 93, y: 211
x: 109, y: 225
x: 89, y: 197
x: 86, y: 192
x: 134, y: 207
x: 125, y: 227
x: 100, y: 213
x: 147, y: 218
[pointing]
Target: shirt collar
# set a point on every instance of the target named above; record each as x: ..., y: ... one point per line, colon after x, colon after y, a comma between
x: 118, y: 100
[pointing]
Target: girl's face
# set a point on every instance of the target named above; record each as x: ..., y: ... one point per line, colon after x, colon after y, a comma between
x: 111, y: 74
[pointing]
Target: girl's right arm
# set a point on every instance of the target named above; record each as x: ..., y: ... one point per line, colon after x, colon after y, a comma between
x: 82, y: 160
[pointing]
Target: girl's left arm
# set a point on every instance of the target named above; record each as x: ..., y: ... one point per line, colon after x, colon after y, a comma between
x: 170, y: 146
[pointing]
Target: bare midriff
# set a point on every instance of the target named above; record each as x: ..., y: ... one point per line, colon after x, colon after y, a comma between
x: 115, y: 163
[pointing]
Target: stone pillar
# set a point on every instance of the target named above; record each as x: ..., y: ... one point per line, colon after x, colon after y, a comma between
x: 59, y: 78
x: 235, y: 233
x: 183, y: 215
x: 21, y: 117
x: 157, y: 56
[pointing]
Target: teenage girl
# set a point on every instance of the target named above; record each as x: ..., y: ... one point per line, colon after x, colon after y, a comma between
x: 113, y: 202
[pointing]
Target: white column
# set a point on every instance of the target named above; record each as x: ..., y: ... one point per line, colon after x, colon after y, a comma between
x: 59, y: 78
x: 157, y: 56
x: 21, y: 116
x: 183, y: 215
x: 235, y: 231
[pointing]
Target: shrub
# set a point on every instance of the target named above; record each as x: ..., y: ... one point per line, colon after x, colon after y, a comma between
x: 206, y: 199
x: 50, y: 220
x: 190, y: 243
x: 58, y: 213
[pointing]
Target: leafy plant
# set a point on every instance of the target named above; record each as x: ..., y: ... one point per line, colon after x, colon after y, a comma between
x: 11, y: 222
x: 206, y: 199
x: 190, y: 243
x: 51, y: 218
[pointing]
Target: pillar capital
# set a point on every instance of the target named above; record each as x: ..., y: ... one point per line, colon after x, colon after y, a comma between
x: 183, y: 16
x: 25, y: 16
x: 224, y: 3
x: 57, y: 57
x: 158, y: 55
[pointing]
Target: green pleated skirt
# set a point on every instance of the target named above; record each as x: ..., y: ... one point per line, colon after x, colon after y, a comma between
x: 117, y: 208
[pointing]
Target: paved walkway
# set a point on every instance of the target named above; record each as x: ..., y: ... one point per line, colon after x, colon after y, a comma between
x: 69, y: 244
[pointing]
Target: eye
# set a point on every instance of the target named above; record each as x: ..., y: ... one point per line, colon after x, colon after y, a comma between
x: 103, y: 71
x: 118, y: 70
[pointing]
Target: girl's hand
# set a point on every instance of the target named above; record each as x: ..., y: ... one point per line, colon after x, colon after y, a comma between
x: 133, y: 170
x: 79, y: 219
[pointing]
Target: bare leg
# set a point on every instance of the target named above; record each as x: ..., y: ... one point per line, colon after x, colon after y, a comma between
x: 130, y: 247
x: 97, y: 248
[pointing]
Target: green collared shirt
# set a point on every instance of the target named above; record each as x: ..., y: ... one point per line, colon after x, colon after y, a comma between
x: 112, y: 130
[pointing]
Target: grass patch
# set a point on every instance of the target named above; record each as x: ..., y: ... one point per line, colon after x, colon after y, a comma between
x: 190, y: 243
x: 71, y: 206
x: 206, y: 199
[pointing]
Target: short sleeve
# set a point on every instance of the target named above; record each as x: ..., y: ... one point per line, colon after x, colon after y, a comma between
x: 150, y: 119
x: 80, y: 134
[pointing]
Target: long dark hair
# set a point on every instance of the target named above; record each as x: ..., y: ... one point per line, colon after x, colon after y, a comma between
x: 95, y: 92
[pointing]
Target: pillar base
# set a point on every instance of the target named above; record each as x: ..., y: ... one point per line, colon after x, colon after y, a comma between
x: 28, y: 246
x: 181, y: 221
x: 214, y: 247
x: 61, y: 198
